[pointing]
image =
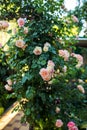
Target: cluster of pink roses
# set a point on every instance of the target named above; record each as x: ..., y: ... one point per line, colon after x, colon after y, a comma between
x: 21, y: 23
x: 38, y: 49
x: 65, y: 54
x: 79, y: 59
x: 47, y: 73
x: 72, y: 126
x: 4, y: 25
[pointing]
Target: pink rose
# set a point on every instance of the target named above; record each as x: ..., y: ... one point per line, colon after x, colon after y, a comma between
x: 9, y: 81
x: 59, y: 123
x: 57, y: 110
x: 50, y: 63
x: 21, y: 22
x: 37, y: 50
x: 45, y: 74
x: 80, y: 87
x: 7, y: 87
x: 70, y: 124
x: 5, y: 24
x: 20, y: 43
x: 73, y: 128
x: 25, y: 30
x: 64, y: 53
x: 46, y: 46
x: 79, y: 59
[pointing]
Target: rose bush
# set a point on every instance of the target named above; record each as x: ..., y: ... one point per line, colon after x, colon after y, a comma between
x: 47, y: 72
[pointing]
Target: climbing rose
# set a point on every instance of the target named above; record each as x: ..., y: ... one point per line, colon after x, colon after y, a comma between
x: 57, y: 110
x: 73, y: 128
x: 20, y: 43
x: 21, y: 22
x: 46, y: 46
x: 9, y: 81
x: 45, y: 74
x: 37, y: 50
x: 70, y: 124
x: 80, y: 87
x: 7, y: 87
x: 50, y: 63
x: 25, y: 30
x: 64, y: 53
x: 5, y: 24
x: 59, y: 123
x: 79, y: 59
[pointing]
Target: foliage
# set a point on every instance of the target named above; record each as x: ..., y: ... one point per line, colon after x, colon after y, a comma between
x: 4, y: 73
x: 46, y: 79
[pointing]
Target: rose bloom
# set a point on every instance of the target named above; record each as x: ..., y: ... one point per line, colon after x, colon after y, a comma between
x: 20, y: 43
x: 47, y: 44
x: 9, y: 81
x: 25, y: 30
x: 37, y: 50
x: 57, y: 110
x: 50, y: 63
x: 80, y: 81
x: 64, y: 68
x: 70, y: 124
x: 45, y: 74
x: 74, y: 128
x: 64, y: 53
x: 21, y: 22
x: 75, y: 19
x: 46, y: 47
x: 5, y: 24
x: 79, y: 59
x: 59, y: 123
x: 7, y: 87
x: 81, y: 89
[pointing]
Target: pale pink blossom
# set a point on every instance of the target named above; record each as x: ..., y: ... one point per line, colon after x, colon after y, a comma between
x: 64, y: 68
x: 20, y: 43
x: 70, y: 124
x: 37, y: 50
x: 45, y: 74
x: 74, y: 128
x: 79, y: 59
x: 21, y: 22
x: 75, y: 19
x: 9, y: 81
x: 25, y: 30
x: 81, y: 89
x: 47, y: 44
x: 80, y: 81
x: 46, y: 47
x: 65, y: 54
x: 59, y: 123
x: 50, y: 63
x: 7, y: 87
x: 5, y: 24
x: 57, y: 110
